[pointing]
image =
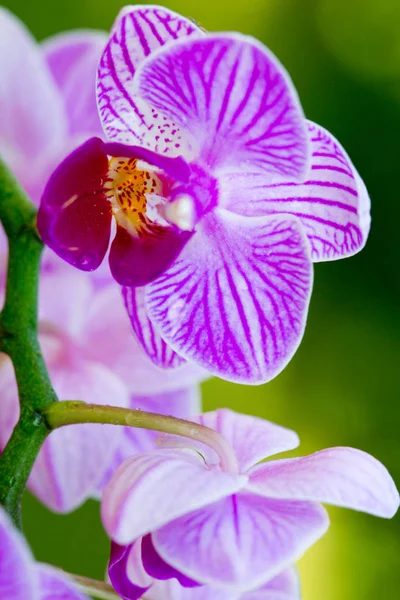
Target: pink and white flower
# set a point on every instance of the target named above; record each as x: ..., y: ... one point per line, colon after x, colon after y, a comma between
x: 223, y: 195
x: 175, y: 513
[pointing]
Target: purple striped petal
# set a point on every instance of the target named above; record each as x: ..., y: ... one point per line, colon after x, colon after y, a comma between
x: 126, y: 118
x: 18, y: 577
x: 32, y: 114
x: 333, y: 204
x: 151, y: 489
x: 55, y: 585
x: 74, y: 459
x: 252, y: 439
x: 241, y: 541
x: 341, y: 476
x: 72, y: 58
x: 235, y: 99
x: 235, y: 300
x: 148, y: 337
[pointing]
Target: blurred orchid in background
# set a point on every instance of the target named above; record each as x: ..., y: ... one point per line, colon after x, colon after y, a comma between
x: 21, y: 578
x: 223, y: 195
x: 84, y: 330
x: 175, y: 513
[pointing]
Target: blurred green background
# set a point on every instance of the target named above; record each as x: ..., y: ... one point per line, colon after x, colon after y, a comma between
x: 342, y: 387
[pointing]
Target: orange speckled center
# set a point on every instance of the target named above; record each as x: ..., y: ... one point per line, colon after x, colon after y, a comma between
x: 127, y: 186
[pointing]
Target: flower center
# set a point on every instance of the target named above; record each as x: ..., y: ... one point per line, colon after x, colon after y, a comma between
x: 128, y: 186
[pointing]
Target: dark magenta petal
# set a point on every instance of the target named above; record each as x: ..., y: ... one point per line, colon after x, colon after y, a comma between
x: 177, y: 168
x: 74, y: 217
x: 135, y: 261
x: 156, y: 567
x: 117, y: 571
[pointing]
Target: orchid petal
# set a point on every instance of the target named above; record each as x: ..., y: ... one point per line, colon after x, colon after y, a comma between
x: 55, y: 585
x: 333, y: 204
x: 286, y: 583
x: 74, y: 459
x: 241, y: 541
x: 252, y: 438
x: 18, y: 577
x: 159, y: 569
x: 235, y: 300
x: 156, y: 349
x: 135, y: 261
x: 72, y: 58
x: 151, y: 489
x: 126, y: 572
x: 234, y: 98
x: 74, y: 217
x: 109, y: 339
x: 283, y: 587
x: 32, y: 113
x: 55, y: 306
x: 172, y: 590
x: 181, y: 403
x: 137, y: 32
x: 340, y: 476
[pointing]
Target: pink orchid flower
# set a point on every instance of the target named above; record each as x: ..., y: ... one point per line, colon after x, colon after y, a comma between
x: 176, y: 513
x: 223, y: 195
x: 21, y: 578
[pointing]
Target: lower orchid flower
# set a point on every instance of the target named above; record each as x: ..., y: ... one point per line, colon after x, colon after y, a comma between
x: 223, y: 196
x: 181, y: 512
x: 21, y: 578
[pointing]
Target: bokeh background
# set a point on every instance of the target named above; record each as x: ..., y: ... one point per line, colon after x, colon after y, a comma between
x: 342, y: 387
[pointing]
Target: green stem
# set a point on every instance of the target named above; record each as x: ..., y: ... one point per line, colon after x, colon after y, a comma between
x: 18, y: 339
x: 94, y: 588
x: 73, y: 412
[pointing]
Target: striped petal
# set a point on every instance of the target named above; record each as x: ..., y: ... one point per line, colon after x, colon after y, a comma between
x: 235, y: 99
x: 333, y: 204
x: 137, y: 33
x: 235, y: 300
x: 242, y: 541
x: 340, y: 476
x: 151, y: 489
x: 148, y: 337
